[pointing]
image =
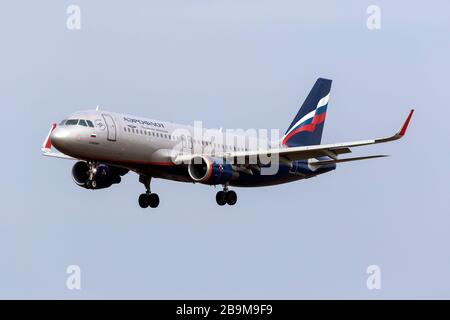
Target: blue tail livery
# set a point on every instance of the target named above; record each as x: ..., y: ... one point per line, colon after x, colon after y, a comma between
x: 307, y: 126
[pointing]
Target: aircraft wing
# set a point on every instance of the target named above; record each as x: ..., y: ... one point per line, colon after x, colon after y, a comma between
x: 50, y: 153
x: 308, y: 152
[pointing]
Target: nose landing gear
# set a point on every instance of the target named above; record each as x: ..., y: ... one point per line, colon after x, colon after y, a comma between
x: 147, y: 199
x: 90, y: 182
x: 226, y: 197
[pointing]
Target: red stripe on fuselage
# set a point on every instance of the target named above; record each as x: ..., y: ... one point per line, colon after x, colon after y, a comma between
x: 131, y: 162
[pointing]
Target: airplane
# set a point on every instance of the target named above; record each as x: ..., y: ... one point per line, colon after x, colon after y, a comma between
x: 107, y: 145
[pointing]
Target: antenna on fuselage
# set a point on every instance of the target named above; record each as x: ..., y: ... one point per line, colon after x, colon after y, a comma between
x: 98, y: 107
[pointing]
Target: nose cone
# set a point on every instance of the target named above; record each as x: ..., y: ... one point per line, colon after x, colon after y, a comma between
x: 60, y: 138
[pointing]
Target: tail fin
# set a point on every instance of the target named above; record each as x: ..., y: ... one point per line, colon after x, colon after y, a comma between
x: 307, y: 126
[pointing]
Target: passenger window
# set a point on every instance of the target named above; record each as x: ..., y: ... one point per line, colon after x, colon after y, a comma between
x: 72, y: 122
x: 82, y: 123
x: 90, y: 124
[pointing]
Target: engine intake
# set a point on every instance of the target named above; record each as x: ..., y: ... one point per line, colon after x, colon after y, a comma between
x: 104, y: 175
x: 211, y: 170
x: 80, y: 173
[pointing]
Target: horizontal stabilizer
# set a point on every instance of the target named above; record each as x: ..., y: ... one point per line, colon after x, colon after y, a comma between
x: 322, y: 162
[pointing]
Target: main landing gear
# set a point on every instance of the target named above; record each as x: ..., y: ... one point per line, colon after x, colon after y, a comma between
x: 147, y: 199
x: 226, y: 197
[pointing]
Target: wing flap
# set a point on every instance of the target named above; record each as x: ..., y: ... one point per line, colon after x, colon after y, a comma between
x: 323, y: 162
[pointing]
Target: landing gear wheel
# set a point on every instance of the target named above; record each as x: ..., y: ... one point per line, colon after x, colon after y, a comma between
x: 143, y: 200
x: 231, y: 198
x: 91, y: 184
x: 147, y: 199
x: 221, y: 198
x: 153, y: 200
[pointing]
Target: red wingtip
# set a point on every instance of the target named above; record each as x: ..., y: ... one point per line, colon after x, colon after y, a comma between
x: 405, y: 125
x: 47, y: 142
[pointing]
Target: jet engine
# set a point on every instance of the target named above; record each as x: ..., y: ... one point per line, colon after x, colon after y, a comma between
x: 103, y: 176
x: 211, y: 171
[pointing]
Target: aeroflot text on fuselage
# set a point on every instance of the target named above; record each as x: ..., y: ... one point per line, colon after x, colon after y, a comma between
x: 144, y: 122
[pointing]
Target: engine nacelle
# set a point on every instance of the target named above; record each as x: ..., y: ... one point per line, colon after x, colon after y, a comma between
x: 104, y: 175
x: 211, y: 171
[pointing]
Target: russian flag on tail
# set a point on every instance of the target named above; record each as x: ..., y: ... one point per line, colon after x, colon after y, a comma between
x: 307, y: 127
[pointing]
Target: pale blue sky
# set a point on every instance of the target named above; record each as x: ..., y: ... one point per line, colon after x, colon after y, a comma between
x: 236, y: 64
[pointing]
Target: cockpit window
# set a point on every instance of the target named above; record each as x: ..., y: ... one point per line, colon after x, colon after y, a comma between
x: 72, y: 122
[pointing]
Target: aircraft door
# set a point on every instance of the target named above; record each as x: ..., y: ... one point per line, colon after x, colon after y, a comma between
x: 111, y: 127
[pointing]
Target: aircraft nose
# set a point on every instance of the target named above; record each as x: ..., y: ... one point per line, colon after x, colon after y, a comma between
x: 59, y: 138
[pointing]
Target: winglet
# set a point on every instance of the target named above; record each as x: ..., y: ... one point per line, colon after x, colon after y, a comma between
x: 47, y: 145
x: 402, y: 131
